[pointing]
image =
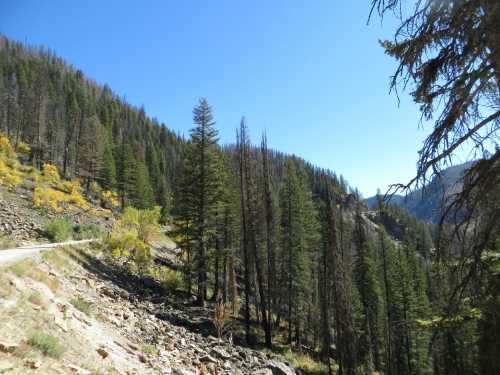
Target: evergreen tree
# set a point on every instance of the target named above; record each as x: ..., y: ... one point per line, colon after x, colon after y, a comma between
x: 203, y: 188
x: 298, y: 223
x: 127, y: 174
x: 108, y: 171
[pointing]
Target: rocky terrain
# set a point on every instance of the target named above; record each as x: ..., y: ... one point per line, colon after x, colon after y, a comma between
x: 127, y: 327
x: 17, y: 222
x: 22, y: 224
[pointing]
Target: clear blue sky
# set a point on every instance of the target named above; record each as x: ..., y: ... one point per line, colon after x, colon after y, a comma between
x: 309, y: 72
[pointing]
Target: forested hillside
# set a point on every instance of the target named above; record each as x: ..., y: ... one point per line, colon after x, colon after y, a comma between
x: 286, y: 247
x: 83, y: 128
x: 427, y: 203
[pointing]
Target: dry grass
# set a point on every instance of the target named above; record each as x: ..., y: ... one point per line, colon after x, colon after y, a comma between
x: 305, y: 363
x: 29, y: 268
x: 6, y: 288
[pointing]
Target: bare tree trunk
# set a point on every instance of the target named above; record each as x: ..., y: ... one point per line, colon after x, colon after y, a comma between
x: 246, y: 263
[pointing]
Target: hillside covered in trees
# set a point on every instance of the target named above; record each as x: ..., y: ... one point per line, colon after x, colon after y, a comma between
x: 287, y: 247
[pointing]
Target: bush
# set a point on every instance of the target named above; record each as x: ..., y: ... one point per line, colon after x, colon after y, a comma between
x: 50, y: 174
x: 170, y: 279
x: 57, y: 200
x: 81, y: 305
x: 306, y: 364
x: 127, y: 246
x: 9, y: 175
x: 149, y: 350
x: 86, y: 231
x: 69, y: 186
x: 48, y: 345
x: 45, y: 197
x: 145, y: 223
x: 109, y: 199
x: 59, y: 229
x: 6, y: 148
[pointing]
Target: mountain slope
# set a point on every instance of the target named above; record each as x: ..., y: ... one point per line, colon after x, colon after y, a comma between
x: 426, y: 203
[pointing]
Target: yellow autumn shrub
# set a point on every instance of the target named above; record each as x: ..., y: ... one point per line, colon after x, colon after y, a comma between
x: 78, y: 200
x: 57, y: 200
x: 6, y: 148
x: 109, y: 199
x: 48, y: 198
x: 126, y: 246
x: 50, y: 174
x: 69, y: 186
x: 9, y: 175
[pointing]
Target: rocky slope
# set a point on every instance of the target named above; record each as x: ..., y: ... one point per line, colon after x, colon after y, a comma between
x: 126, y: 327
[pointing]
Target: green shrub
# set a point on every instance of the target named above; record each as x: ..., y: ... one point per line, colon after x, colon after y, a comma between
x: 149, y: 350
x: 170, y: 279
x: 59, y: 229
x: 48, y: 345
x: 82, y: 305
x: 86, y: 231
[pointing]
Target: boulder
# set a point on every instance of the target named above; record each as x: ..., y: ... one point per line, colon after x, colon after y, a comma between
x: 103, y: 353
x: 208, y: 358
x: 279, y: 368
x: 33, y: 364
x: 7, y: 347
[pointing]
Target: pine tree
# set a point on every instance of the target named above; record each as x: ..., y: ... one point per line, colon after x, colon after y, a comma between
x: 127, y: 174
x: 142, y: 195
x: 297, y: 228
x: 107, y: 174
x: 91, y: 145
x: 203, y: 191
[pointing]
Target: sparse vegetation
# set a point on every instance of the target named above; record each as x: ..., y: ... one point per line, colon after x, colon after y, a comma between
x: 82, y: 305
x: 47, y: 344
x: 149, y: 350
x: 29, y: 268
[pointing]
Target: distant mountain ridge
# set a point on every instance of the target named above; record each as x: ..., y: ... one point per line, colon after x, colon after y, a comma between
x: 426, y: 203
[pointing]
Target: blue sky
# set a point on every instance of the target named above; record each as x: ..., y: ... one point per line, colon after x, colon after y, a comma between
x: 310, y: 73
